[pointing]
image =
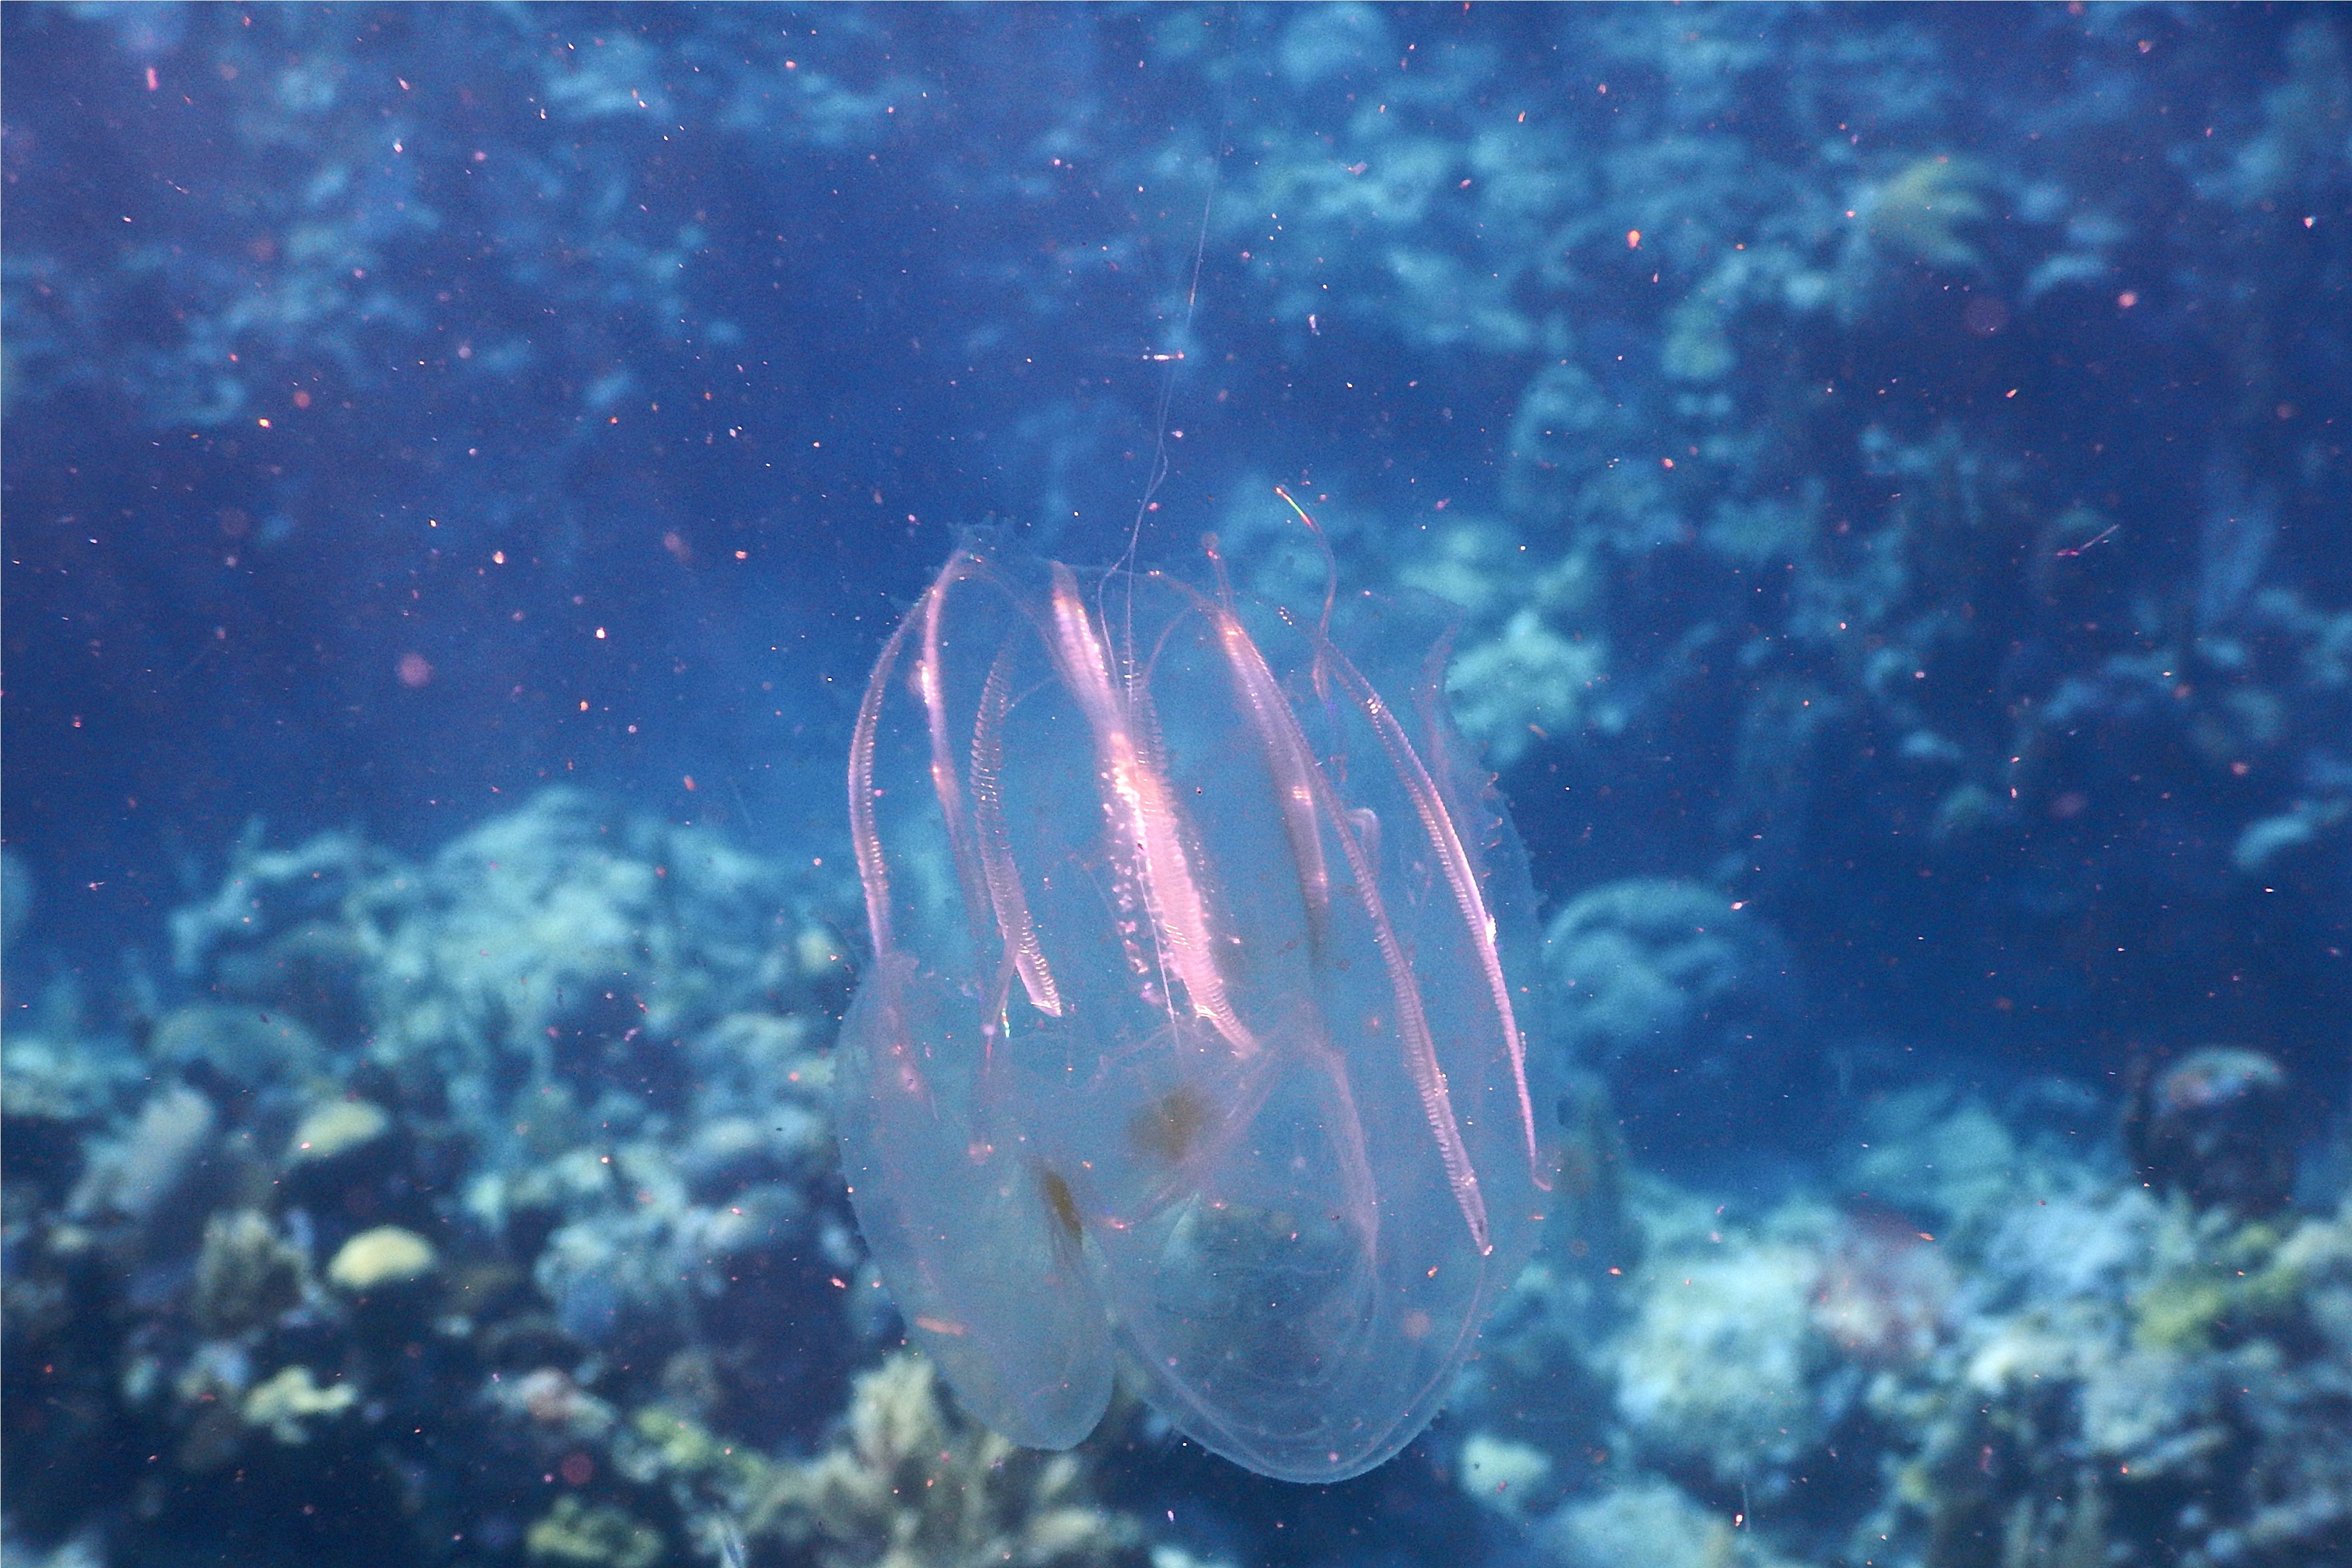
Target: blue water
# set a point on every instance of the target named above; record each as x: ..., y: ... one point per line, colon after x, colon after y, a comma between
x: 1890, y: 468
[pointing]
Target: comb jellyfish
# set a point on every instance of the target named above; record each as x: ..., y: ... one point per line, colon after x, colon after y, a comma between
x: 1194, y: 1039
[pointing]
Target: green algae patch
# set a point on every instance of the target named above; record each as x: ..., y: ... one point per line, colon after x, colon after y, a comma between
x: 288, y: 1403
x: 687, y: 1448
x: 2248, y: 1282
x: 573, y: 1535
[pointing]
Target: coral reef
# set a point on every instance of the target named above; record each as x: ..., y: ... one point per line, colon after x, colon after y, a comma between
x: 907, y: 1485
x: 1723, y: 1368
x: 536, y: 1128
x: 1649, y: 1521
x: 405, y: 1239
x: 1999, y: 1348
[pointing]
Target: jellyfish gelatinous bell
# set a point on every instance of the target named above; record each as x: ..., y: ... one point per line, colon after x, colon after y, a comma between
x: 1192, y: 1039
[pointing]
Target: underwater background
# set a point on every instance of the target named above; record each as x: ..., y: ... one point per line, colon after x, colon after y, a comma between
x: 460, y: 464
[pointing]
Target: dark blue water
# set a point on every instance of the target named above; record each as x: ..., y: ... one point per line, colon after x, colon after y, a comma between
x: 1890, y: 466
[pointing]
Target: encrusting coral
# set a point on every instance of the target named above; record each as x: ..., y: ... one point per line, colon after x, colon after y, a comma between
x: 381, y: 1257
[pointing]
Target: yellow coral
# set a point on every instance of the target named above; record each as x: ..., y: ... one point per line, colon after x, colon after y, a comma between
x: 286, y: 1401
x: 2250, y: 1277
x: 337, y: 1128
x: 384, y: 1257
